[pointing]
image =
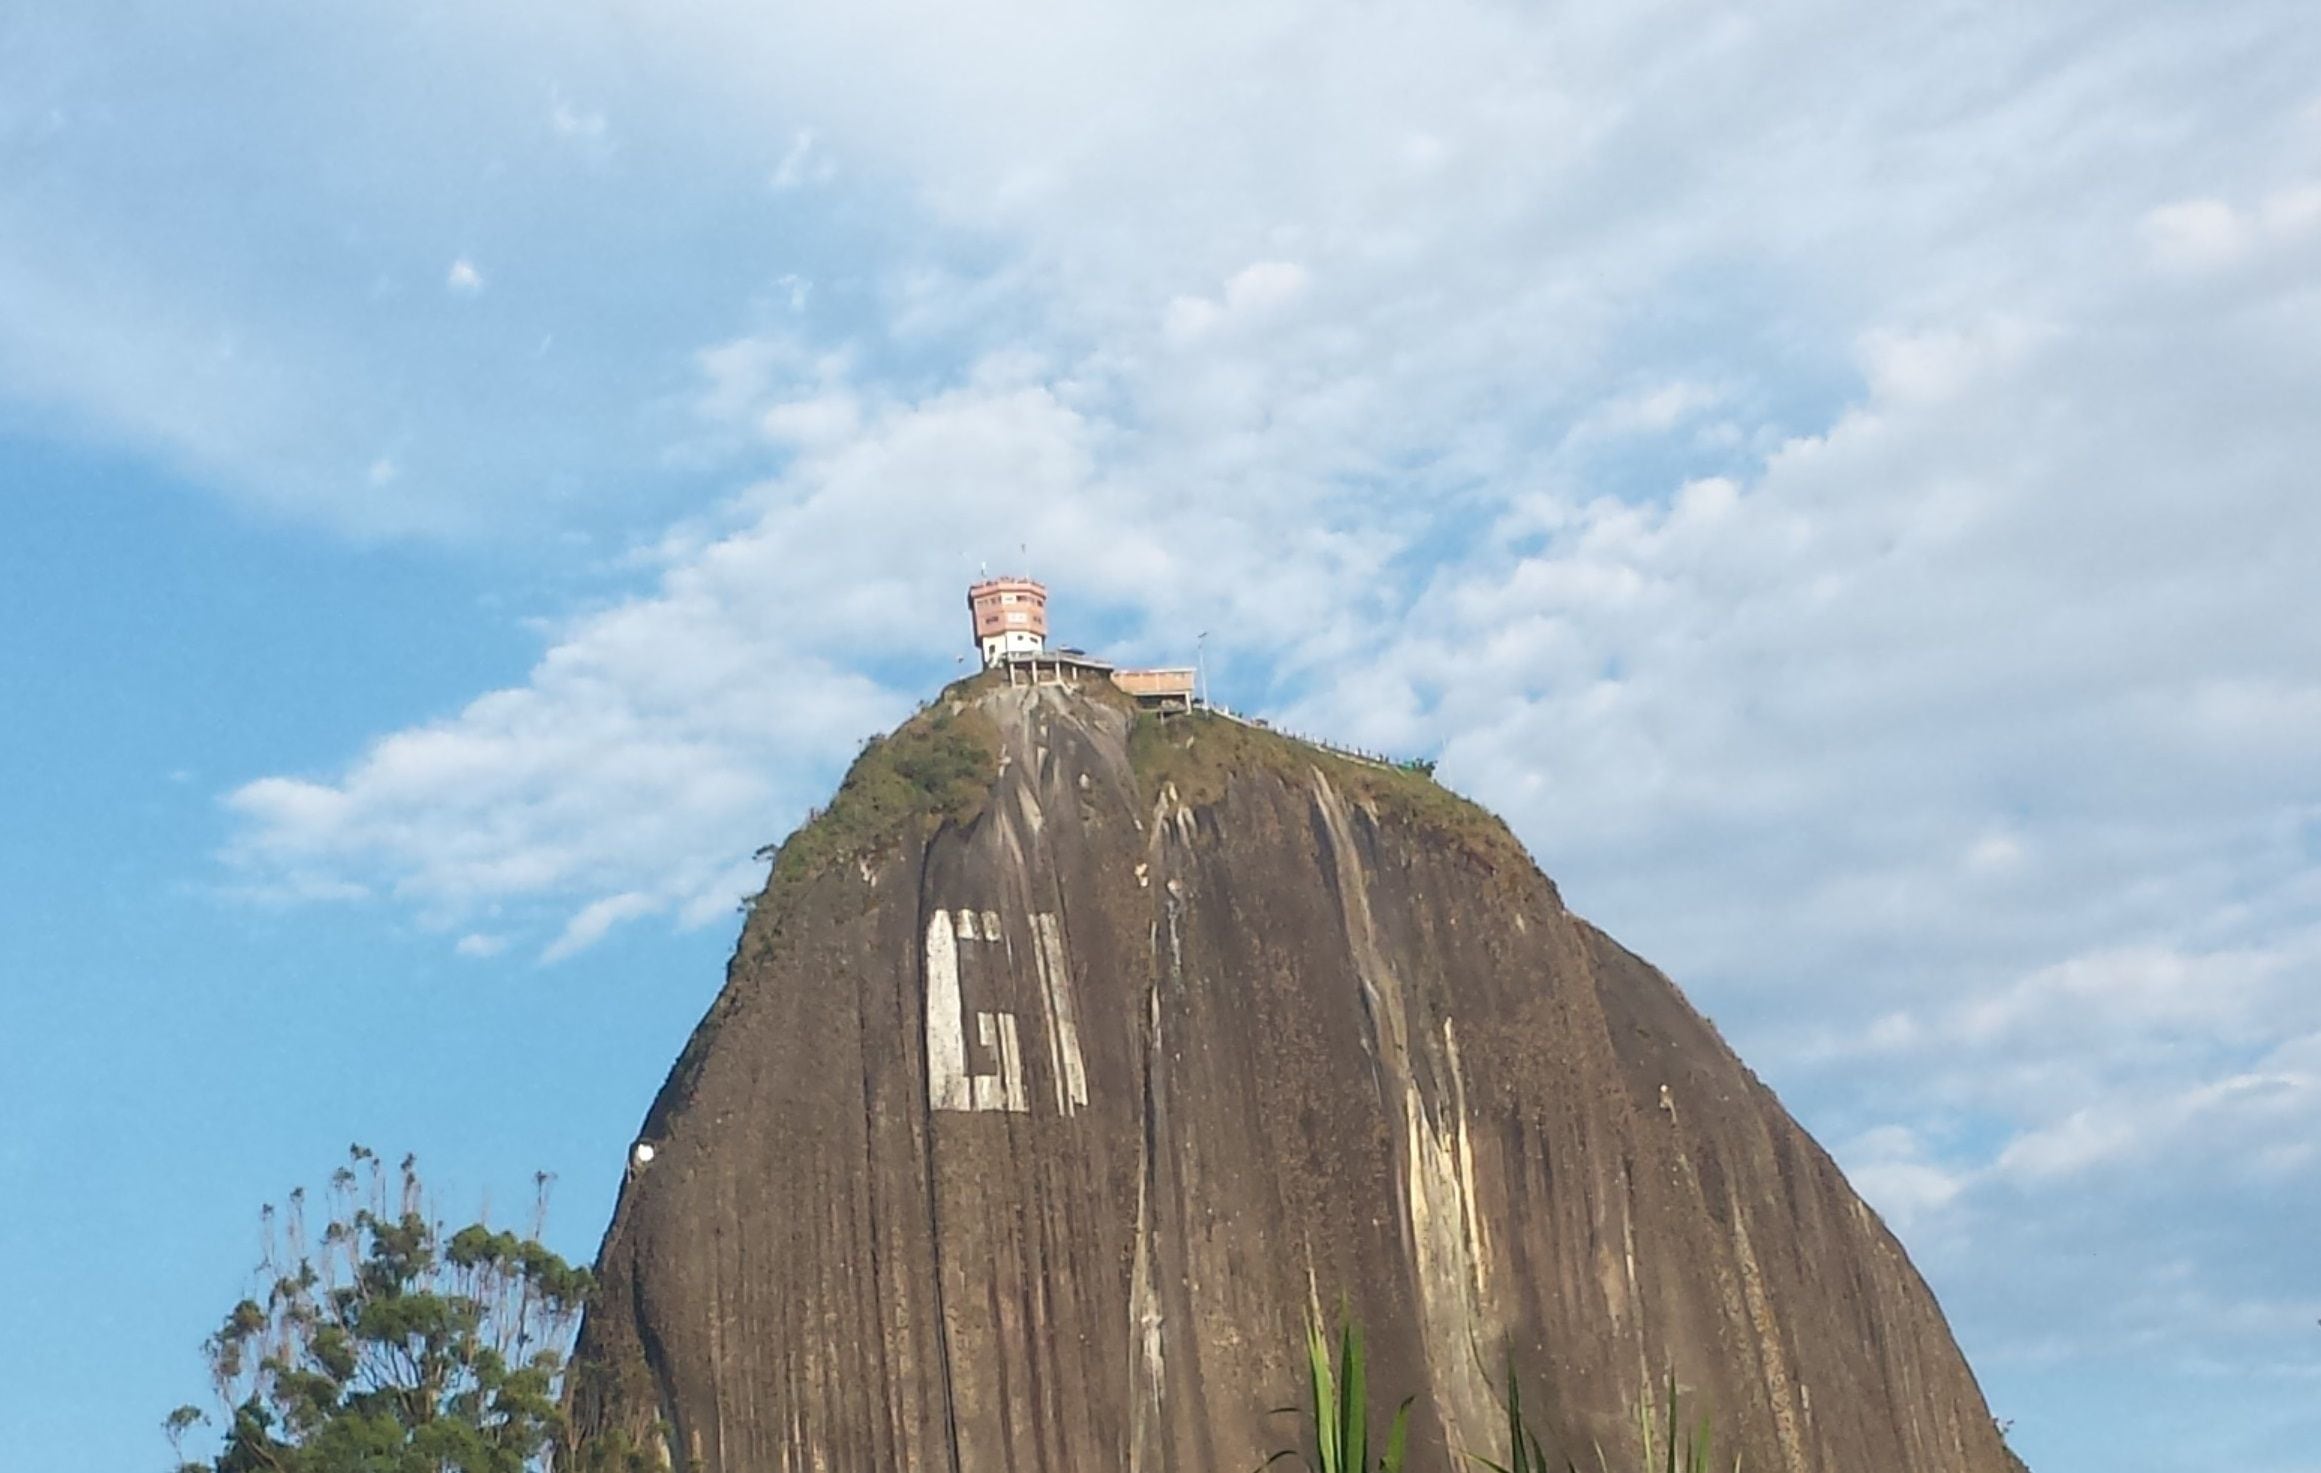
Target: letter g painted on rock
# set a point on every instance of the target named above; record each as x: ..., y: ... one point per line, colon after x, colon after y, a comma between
x: 950, y: 1084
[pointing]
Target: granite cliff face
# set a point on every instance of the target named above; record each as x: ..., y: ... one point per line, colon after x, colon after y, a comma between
x: 1070, y: 1063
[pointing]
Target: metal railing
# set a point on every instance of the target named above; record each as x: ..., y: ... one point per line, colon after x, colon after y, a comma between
x: 1336, y: 749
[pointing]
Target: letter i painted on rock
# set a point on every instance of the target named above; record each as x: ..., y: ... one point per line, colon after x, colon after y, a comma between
x: 1070, y: 1070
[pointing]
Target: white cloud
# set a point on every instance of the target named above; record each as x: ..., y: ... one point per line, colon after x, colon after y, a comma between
x: 1263, y: 286
x: 723, y: 896
x: 821, y: 419
x: 1250, y: 295
x: 2200, y: 235
x: 1188, y: 318
x: 1651, y: 411
x: 464, y: 277
x: 1995, y: 854
x: 2129, y: 988
x: 1889, y: 1166
x: 595, y: 920
x: 2293, y: 212
x: 740, y: 373
x: 639, y: 761
x: 291, y: 804
x: 479, y: 944
x: 804, y: 163
x: 659, y: 741
x: 2197, y: 234
x: 1933, y: 366
x: 575, y: 123
x: 2260, y: 1110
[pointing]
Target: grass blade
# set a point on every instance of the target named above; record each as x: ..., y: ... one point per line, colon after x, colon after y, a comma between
x: 1396, y: 1436
x: 1515, y: 1427
x: 1672, y: 1417
x: 1325, y: 1400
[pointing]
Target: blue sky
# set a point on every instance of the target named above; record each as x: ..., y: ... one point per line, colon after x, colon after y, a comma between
x: 1838, y: 479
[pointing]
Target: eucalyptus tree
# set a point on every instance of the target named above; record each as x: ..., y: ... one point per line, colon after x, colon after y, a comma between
x: 385, y: 1343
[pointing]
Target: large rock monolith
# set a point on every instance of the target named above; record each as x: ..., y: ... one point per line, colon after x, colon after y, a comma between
x: 1073, y: 1060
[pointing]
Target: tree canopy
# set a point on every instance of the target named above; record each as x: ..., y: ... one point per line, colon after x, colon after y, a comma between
x: 385, y: 1344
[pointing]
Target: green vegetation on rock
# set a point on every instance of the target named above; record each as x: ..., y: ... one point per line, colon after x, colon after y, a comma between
x: 1338, y: 1418
x: 1200, y: 754
x: 1337, y: 1426
x: 935, y: 768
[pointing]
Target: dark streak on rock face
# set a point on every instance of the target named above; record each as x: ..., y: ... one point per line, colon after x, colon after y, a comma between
x: 1321, y: 1053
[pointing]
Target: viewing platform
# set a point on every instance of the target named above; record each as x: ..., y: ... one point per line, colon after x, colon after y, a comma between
x: 1167, y: 690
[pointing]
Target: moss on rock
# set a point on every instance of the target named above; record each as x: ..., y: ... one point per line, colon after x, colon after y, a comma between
x: 934, y: 769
